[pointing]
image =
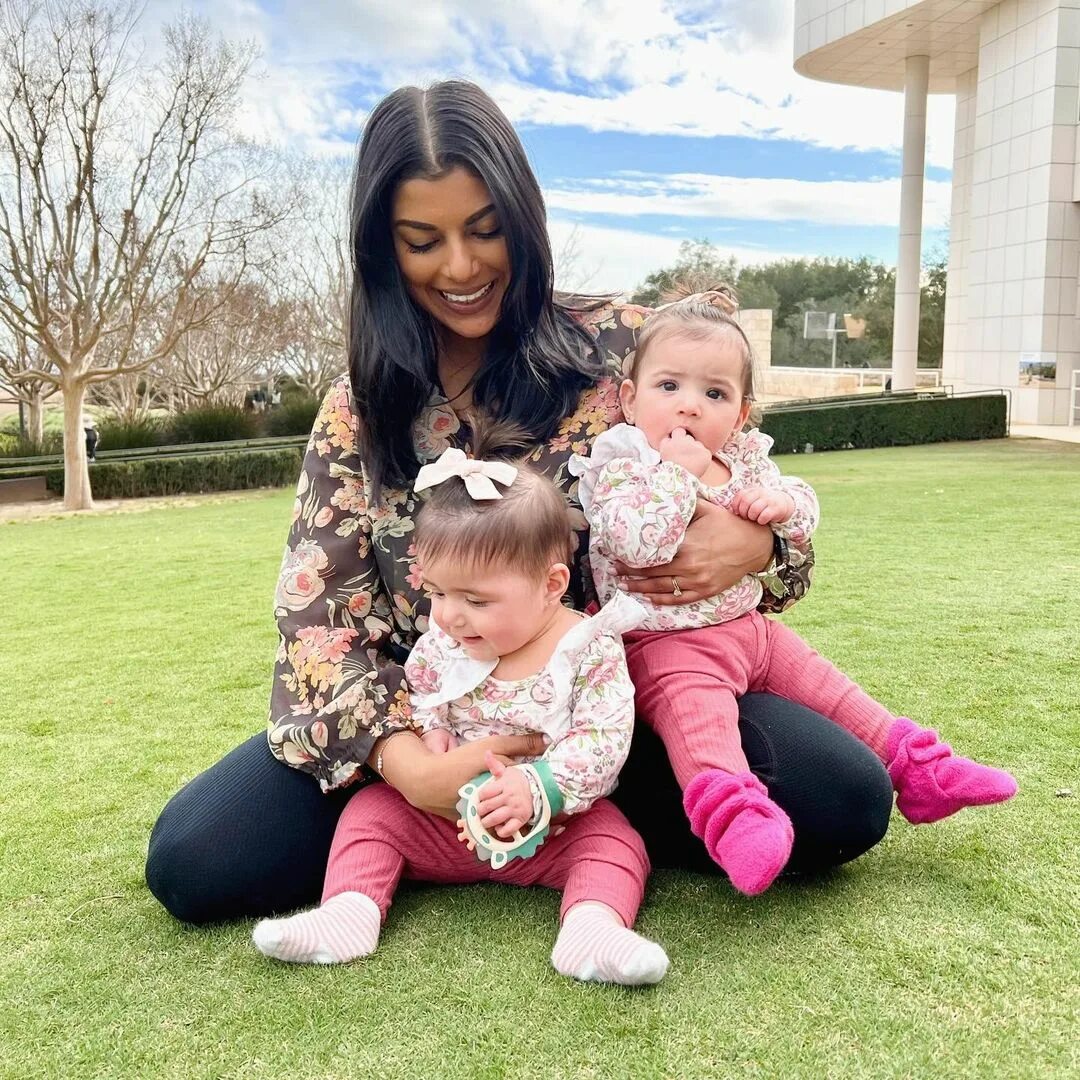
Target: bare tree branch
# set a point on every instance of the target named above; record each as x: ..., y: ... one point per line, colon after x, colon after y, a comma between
x: 122, y: 191
x: 312, y: 278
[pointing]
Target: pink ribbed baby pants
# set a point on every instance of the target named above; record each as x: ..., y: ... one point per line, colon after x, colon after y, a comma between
x: 381, y: 839
x: 687, y: 683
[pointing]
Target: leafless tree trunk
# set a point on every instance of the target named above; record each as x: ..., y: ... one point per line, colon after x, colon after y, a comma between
x: 18, y: 383
x: 128, y: 397
x: 35, y: 419
x: 121, y: 187
x: 313, y: 353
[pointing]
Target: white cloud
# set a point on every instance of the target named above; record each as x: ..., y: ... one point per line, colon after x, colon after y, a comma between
x: 697, y: 195
x: 691, y: 67
x: 618, y: 260
x: 770, y: 101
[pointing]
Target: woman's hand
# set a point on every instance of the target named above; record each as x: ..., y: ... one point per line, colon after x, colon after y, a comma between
x: 431, y: 781
x: 718, y: 550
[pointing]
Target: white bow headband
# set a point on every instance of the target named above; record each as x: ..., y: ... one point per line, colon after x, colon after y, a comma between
x: 478, y: 475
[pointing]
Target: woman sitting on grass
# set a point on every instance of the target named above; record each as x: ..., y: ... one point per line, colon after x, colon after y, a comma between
x: 453, y: 310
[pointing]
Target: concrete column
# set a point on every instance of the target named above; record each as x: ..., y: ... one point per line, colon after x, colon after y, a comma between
x: 909, y: 259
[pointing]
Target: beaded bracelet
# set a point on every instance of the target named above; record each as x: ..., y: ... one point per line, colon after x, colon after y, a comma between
x: 385, y: 744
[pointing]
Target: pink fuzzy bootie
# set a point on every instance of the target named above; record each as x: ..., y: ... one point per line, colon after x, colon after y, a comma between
x: 743, y: 829
x: 930, y: 783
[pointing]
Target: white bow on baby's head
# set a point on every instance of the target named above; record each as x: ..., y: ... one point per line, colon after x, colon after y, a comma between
x: 478, y: 475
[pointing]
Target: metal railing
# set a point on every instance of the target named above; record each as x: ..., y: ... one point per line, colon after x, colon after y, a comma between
x: 866, y: 377
x: 886, y: 396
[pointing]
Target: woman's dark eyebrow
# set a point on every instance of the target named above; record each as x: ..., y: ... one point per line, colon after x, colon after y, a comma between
x: 472, y: 219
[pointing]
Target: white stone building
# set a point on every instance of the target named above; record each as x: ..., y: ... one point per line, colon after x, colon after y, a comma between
x: 1014, y: 66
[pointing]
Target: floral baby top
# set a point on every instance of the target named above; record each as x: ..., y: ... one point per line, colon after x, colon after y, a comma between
x: 582, y: 700
x: 638, y: 508
x: 349, y: 602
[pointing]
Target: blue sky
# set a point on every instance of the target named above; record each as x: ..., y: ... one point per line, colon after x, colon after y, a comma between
x: 647, y: 122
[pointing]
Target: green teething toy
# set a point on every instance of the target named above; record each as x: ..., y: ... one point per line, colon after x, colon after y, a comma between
x: 489, y: 847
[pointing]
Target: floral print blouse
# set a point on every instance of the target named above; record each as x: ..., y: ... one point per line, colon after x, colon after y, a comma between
x: 349, y: 602
x: 581, y: 699
x: 638, y: 508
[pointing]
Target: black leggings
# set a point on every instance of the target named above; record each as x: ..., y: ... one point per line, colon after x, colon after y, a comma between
x: 251, y: 836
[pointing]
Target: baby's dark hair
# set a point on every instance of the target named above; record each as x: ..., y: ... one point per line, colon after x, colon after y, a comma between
x: 528, y: 528
x: 702, y: 316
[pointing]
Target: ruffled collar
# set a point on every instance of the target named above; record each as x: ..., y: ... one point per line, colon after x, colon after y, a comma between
x: 620, y: 441
x: 459, y: 674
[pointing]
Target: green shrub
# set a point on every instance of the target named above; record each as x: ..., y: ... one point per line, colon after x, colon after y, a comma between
x: 888, y: 422
x: 294, y: 416
x: 189, y: 475
x: 130, y: 435
x: 212, y: 423
x: 15, y: 446
x: 52, y: 422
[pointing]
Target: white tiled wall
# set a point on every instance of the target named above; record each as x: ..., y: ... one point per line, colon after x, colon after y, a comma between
x: 1015, y: 228
x: 956, y: 298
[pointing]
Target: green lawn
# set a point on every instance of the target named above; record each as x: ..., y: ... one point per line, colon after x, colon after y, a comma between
x: 136, y: 649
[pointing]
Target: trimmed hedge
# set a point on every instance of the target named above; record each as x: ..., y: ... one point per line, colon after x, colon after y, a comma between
x: 905, y: 422
x: 898, y: 422
x: 189, y: 475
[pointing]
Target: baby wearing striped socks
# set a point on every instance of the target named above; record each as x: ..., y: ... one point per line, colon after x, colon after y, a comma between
x: 502, y: 655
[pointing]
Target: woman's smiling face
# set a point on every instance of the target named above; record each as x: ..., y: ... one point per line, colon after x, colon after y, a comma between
x: 451, y: 250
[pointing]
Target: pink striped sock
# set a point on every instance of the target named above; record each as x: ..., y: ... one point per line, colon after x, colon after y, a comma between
x: 343, y: 928
x: 594, y: 946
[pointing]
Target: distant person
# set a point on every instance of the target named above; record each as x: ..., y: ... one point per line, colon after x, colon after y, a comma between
x: 90, y: 431
x: 689, y: 439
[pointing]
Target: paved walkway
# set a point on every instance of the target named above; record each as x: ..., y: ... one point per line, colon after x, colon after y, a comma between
x: 1057, y: 432
x: 54, y: 507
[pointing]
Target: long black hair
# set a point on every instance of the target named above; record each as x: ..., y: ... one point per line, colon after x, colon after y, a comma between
x: 538, y: 359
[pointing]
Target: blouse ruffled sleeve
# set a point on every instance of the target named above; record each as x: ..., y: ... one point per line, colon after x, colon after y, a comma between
x: 423, y: 672
x: 585, y: 761
x: 638, y: 507
x: 761, y: 470
x: 597, y: 699
x: 336, y: 688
